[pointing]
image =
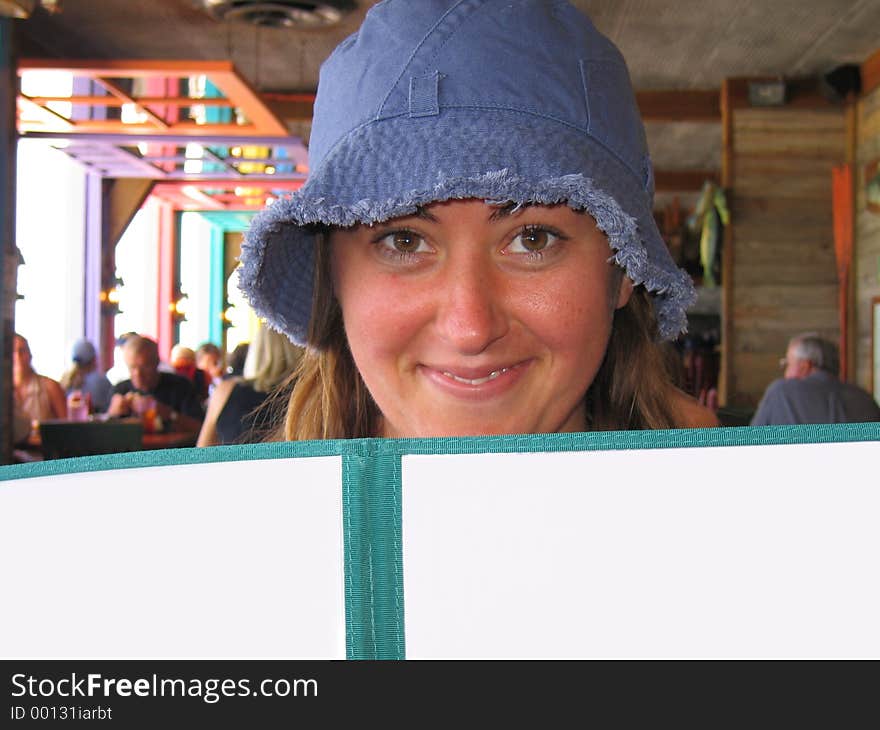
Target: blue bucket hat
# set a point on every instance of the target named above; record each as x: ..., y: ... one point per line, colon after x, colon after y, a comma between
x: 508, y: 101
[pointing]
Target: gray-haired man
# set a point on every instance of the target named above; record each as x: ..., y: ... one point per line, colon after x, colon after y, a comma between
x: 810, y: 391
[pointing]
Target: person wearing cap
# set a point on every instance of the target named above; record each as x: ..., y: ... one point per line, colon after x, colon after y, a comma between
x: 85, y: 377
x: 474, y: 250
x: 809, y: 390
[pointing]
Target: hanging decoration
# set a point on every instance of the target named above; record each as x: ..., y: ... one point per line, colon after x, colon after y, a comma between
x: 707, y: 221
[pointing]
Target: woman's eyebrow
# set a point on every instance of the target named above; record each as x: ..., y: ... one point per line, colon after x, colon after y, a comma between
x: 499, y: 212
x: 503, y: 211
x: 422, y: 213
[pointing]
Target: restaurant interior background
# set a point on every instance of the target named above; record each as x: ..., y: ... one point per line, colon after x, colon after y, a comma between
x: 140, y: 137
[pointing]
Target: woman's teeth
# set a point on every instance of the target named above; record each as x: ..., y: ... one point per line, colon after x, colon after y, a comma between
x: 477, y: 381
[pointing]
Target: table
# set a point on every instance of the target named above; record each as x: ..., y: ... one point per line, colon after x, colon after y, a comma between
x: 59, y: 438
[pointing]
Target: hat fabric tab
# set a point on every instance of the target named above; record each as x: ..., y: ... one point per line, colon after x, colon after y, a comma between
x: 424, y: 95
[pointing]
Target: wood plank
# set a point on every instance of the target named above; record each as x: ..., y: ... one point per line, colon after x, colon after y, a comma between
x: 791, y: 211
x: 784, y: 295
x: 777, y: 118
x: 785, y: 166
x: 818, y: 148
x: 871, y: 73
x: 761, y: 273
x: 805, y: 255
x: 794, y: 186
x: 785, y: 319
x: 788, y: 239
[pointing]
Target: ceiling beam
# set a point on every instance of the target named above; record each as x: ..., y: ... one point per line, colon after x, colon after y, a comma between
x: 681, y: 181
x: 290, y: 107
x: 682, y: 105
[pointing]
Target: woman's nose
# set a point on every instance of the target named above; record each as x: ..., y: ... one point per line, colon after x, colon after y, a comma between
x: 472, y: 313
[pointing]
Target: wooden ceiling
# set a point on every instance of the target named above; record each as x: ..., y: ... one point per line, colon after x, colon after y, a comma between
x: 679, y: 53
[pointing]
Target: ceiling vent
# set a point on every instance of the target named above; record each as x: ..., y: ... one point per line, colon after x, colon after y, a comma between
x: 280, y: 13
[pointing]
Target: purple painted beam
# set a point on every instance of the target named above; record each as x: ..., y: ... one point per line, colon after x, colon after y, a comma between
x: 94, y: 234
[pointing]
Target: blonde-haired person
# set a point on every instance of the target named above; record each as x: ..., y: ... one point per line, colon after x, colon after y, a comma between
x: 474, y: 251
x: 240, y: 409
x: 85, y: 376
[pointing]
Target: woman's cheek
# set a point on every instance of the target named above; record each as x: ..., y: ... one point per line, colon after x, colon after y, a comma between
x: 380, y: 314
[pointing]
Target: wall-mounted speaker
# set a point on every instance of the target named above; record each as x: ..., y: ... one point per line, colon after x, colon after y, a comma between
x: 842, y: 81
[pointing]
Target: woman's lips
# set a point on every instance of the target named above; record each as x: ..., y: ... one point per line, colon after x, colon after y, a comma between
x: 476, y: 381
x: 469, y: 382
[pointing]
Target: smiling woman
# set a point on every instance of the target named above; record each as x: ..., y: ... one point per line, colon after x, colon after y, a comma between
x: 488, y: 323
x: 474, y: 251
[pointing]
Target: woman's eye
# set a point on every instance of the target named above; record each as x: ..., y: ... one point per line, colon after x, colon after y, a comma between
x: 532, y: 241
x: 403, y: 242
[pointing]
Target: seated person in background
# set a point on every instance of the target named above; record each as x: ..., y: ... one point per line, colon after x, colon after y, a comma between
x: 183, y: 360
x: 118, y: 372
x: 85, y: 377
x: 235, y: 361
x: 175, y: 399
x: 810, y: 391
x: 210, y: 360
x: 234, y: 413
x: 36, y: 397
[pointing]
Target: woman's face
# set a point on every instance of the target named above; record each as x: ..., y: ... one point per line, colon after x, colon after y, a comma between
x: 470, y: 319
x: 21, y: 356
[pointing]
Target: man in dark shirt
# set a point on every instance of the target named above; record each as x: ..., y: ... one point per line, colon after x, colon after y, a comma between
x: 810, y: 391
x: 175, y: 399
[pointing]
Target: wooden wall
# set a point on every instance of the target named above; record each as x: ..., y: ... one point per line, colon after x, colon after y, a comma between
x: 867, y: 234
x: 784, y: 277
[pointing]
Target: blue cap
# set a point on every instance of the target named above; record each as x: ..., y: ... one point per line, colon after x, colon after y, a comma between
x: 83, y: 352
x: 509, y: 101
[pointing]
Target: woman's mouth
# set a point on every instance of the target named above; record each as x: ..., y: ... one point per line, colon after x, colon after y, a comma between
x: 479, y: 383
x: 476, y: 381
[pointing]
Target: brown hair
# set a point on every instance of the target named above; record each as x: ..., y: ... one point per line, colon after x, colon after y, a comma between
x: 632, y: 389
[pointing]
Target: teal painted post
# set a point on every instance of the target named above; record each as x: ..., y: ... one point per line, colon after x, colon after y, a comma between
x: 217, y: 289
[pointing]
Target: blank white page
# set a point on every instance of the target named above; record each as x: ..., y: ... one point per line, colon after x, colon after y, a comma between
x: 745, y: 551
x: 234, y: 559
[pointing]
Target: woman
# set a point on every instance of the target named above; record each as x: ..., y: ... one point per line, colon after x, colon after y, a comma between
x: 36, y: 397
x: 474, y: 251
x: 240, y: 409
